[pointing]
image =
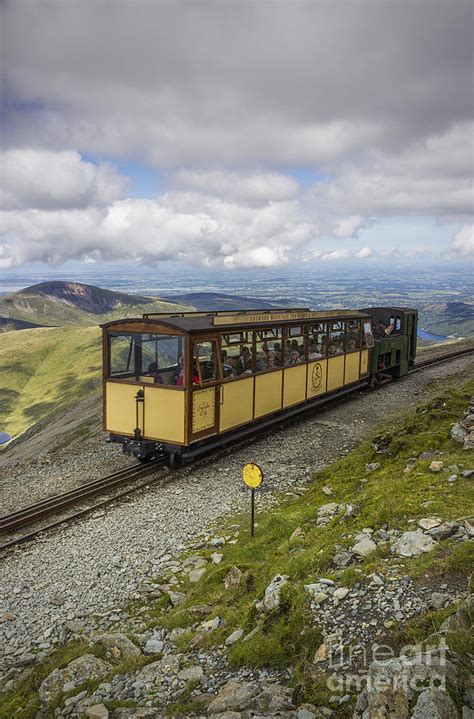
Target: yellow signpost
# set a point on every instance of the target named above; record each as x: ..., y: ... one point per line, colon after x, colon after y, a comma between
x: 253, y: 477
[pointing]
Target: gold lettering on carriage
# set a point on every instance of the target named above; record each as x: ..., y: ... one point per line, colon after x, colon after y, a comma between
x: 239, y: 319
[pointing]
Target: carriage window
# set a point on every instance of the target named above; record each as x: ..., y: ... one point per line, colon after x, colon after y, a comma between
x: 147, y: 357
x: 367, y: 336
x: 352, y: 335
x: 267, y: 349
x: 205, y: 362
x: 122, y: 356
x: 336, y: 338
x: 294, y: 346
x: 236, y: 354
x: 318, y: 341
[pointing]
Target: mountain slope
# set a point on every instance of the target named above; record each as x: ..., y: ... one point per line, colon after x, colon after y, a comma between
x: 44, y: 371
x: 73, y: 303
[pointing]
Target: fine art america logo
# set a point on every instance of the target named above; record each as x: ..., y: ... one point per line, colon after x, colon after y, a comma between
x: 378, y: 667
x: 317, y: 376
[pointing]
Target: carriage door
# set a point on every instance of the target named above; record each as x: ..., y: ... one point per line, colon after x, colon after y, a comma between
x: 205, y: 377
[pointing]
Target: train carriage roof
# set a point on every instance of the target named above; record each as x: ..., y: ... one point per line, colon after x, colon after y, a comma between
x: 228, y: 320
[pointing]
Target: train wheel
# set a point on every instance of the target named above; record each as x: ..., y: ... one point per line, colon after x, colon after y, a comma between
x: 146, y: 459
x: 174, y: 460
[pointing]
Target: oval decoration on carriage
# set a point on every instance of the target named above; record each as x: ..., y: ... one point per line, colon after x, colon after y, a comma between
x: 317, y: 376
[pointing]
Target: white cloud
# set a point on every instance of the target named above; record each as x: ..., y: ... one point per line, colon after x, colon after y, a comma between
x: 463, y: 242
x: 432, y: 177
x: 349, y: 226
x: 45, y: 179
x: 363, y: 253
x: 177, y: 227
x: 254, y: 187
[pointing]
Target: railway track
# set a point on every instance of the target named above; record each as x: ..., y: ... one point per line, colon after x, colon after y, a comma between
x: 57, y: 504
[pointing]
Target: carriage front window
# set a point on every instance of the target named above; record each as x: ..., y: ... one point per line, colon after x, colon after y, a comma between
x: 151, y: 358
x: 205, y: 367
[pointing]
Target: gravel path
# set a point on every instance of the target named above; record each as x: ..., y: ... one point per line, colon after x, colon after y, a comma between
x: 85, y: 568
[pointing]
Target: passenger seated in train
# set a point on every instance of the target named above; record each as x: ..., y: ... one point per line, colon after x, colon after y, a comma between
x: 313, y: 352
x: 153, y: 372
x: 246, y: 361
x: 261, y: 361
x: 293, y: 358
x: 277, y: 352
x: 178, y: 376
x: 271, y: 359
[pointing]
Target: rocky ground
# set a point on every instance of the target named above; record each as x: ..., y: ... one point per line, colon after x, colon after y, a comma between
x: 76, y: 580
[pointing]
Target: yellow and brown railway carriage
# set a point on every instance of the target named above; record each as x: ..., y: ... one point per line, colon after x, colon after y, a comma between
x: 178, y: 383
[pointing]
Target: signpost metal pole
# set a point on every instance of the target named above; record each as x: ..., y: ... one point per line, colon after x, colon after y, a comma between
x: 252, y: 512
x: 253, y: 477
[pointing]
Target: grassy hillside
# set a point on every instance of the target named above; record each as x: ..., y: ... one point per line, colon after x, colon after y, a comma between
x: 46, y: 370
x: 52, y: 312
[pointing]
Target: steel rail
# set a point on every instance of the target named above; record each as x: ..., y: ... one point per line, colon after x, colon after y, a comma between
x: 431, y: 361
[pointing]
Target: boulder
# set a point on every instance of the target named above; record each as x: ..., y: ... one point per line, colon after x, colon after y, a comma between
x: 321, y: 654
x: 372, y: 467
x: 434, y: 704
x: 443, y: 531
x: 296, y: 535
x: 271, y: 600
x: 341, y: 593
x: 153, y: 646
x: 328, y: 510
x: 75, y: 673
x: 461, y: 621
x: 233, y: 696
x: 119, y: 645
x: 233, y: 578
x: 274, y: 700
x: 364, y: 547
x: 343, y: 559
x: 436, y: 466
x: 176, y: 598
x: 97, y: 711
x: 439, y: 600
x: 216, y: 557
x: 457, y: 433
x: 196, y: 574
x: 191, y: 674
x: 234, y: 637
x: 412, y: 544
x: 429, y: 522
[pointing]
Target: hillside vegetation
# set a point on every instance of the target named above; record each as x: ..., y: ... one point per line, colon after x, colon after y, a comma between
x: 44, y: 371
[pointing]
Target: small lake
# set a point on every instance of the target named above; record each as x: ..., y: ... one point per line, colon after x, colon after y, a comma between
x: 424, y: 335
x: 4, y: 437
